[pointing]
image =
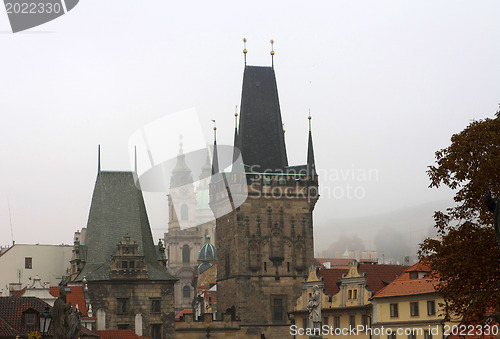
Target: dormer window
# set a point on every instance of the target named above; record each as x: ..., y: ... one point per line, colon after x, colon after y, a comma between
x: 30, y: 319
x: 417, y: 275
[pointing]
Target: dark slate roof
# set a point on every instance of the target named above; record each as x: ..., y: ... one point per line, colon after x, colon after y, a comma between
x: 260, y: 135
x: 118, y: 209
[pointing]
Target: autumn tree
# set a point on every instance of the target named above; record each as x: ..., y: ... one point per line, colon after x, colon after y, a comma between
x: 465, y: 257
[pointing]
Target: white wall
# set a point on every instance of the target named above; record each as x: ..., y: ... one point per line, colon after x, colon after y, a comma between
x: 50, y: 262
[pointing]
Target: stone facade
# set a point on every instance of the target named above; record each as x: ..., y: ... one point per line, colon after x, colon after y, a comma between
x: 264, y: 249
x: 132, y: 304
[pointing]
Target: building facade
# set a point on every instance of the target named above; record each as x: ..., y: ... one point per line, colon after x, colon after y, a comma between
x: 265, y: 245
x: 123, y: 272
x: 20, y: 264
x: 345, y: 297
x: 190, y: 221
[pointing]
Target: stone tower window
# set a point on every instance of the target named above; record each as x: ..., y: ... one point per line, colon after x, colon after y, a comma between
x: 186, y: 292
x: 186, y: 254
x: 184, y: 212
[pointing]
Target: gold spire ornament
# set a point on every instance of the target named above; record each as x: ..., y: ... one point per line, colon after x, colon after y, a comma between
x: 245, y: 49
x: 215, y: 131
x: 236, y: 116
x: 272, y: 53
x: 309, y: 117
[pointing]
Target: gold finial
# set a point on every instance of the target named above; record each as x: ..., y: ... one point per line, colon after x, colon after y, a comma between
x: 215, y: 131
x: 245, y: 49
x: 236, y: 116
x: 272, y: 53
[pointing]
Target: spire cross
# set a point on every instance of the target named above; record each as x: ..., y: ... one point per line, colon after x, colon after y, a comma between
x: 98, y: 158
x: 309, y: 117
x: 272, y: 53
x: 245, y: 49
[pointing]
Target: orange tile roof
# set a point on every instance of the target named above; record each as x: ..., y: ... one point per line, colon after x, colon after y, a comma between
x: 184, y: 311
x: 403, y: 285
x: 118, y: 334
x: 76, y: 297
x: 377, y: 276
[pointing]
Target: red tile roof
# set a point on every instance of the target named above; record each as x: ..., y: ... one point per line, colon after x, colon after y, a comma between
x: 12, y: 309
x: 6, y: 330
x: 119, y: 334
x: 75, y: 297
x: 377, y: 276
x: 184, y: 311
x: 403, y: 285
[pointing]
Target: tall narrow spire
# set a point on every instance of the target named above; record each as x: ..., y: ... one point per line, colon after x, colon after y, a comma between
x: 135, y: 159
x: 260, y: 132
x: 215, y: 161
x: 236, y: 148
x: 311, y: 167
x: 272, y: 53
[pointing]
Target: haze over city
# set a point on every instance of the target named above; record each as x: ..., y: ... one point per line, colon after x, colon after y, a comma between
x: 387, y: 83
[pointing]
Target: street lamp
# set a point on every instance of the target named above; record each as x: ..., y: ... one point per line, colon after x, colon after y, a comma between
x: 45, y: 320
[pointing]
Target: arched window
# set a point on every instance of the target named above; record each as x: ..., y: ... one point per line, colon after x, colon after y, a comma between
x: 184, y: 212
x: 186, y: 292
x: 185, y: 254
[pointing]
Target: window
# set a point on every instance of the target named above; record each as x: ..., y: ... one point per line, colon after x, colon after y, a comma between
x: 186, y: 292
x: 156, y: 331
x: 336, y: 321
x: 355, y: 294
x: 123, y: 326
x: 413, y: 275
x: 288, y: 266
x: 412, y: 335
x: 265, y: 266
x: 278, y: 307
x: 304, y: 323
x: 155, y: 305
x: 30, y: 319
x: 124, y: 265
x: 28, y: 263
x: 325, y: 321
x: 184, y: 212
x: 352, y: 321
x: 392, y: 335
x: 186, y: 254
x: 431, y: 307
x: 427, y: 334
x: 349, y: 294
x: 414, y: 309
x: 131, y: 264
x: 394, y: 310
x: 364, y: 320
x: 122, y: 305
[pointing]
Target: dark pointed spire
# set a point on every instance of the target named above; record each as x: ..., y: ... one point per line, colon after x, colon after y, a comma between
x: 181, y: 174
x: 236, y: 148
x: 260, y: 131
x: 311, y: 167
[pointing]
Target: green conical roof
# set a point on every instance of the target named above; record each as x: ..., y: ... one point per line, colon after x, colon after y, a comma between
x: 208, y: 251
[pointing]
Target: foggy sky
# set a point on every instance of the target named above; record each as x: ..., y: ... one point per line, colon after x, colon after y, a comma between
x: 387, y: 83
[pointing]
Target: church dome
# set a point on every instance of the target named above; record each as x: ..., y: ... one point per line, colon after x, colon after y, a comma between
x: 208, y: 251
